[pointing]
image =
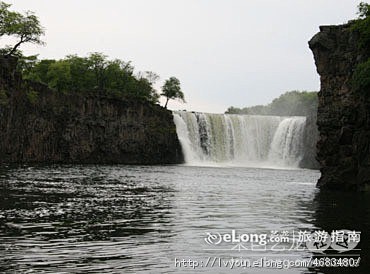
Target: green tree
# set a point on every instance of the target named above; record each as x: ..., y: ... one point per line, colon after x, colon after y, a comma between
x: 362, y: 25
x: 98, y: 64
x: 363, y: 10
x: 233, y: 110
x: 172, y: 90
x: 59, y: 76
x: 82, y: 78
x: 151, y: 76
x: 25, y: 28
x: 145, y: 82
x: 119, y: 75
x: 5, y: 16
x: 37, y: 70
x: 292, y: 103
x: 90, y: 74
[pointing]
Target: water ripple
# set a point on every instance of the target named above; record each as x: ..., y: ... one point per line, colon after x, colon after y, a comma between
x: 137, y: 219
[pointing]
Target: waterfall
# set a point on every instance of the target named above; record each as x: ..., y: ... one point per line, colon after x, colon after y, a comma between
x: 246, y: 140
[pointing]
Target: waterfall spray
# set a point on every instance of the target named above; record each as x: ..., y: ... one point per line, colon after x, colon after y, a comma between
x: 240, y: 139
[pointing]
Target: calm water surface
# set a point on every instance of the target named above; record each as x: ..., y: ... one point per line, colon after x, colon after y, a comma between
x: 139, y: 219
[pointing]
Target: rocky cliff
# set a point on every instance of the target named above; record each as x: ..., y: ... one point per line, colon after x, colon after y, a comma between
x: 343, y: 113
x: 43, y: 126
x: 311, y: 135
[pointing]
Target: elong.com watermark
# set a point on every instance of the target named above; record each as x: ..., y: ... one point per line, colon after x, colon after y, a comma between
x: 215, y: 238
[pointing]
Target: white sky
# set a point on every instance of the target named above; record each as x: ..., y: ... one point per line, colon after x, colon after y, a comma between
x: 225, y: 52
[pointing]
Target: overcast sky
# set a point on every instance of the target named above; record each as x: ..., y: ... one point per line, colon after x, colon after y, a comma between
x: 225, y: 52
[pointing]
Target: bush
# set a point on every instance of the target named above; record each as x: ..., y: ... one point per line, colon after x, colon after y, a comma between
x: 361, y: 78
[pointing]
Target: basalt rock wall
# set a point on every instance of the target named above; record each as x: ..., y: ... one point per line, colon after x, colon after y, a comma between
x: 343, y: 113
x: 38, y: 125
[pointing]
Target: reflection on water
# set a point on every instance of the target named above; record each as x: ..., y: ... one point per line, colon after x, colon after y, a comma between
x: 336, y: 210
x: 56, y: 218
x: 138, y: 219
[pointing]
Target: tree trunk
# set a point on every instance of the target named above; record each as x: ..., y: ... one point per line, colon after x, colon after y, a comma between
x: 165, y: 106
x: 15, y: 48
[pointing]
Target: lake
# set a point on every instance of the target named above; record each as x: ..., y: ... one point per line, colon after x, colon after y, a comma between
x: 157, y: 219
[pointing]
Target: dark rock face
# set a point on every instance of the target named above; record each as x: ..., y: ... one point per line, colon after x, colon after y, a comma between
x: 59, y: 128
x: 311, y: 135
x: 343, y: 115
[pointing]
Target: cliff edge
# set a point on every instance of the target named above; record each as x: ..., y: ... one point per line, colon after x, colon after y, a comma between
x: 38, y: 125
x: 343, y: 113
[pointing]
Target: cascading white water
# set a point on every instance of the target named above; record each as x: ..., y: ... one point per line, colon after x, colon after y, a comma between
x: 286, y: 147
x: 240, y: 139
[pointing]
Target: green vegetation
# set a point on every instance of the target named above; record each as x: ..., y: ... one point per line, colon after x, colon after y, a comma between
x: 172, y: 90
x: 363, y: 10
x: 292, y: 103
x: 25, y: 28
x: 93, y: 73
x: 361, y: 76
x: 362, y: 25
x: 76, y: 74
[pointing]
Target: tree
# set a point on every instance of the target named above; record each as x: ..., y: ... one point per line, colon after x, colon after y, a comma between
x: 59, y: 76
x: 4, y: 17
x: 34, y: 69
x: 98, y: 64
x: 291, y: 103
x: 82, y: 77
x: 96, y: 72
x: 363, y: 10
x: 362, y: 26
x: 172, y: 90
x: 25, y: 28
x: 151, y: 76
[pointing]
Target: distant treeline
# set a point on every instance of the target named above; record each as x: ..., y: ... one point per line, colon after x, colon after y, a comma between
x: 291, y: 103
x: 94, y: 73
